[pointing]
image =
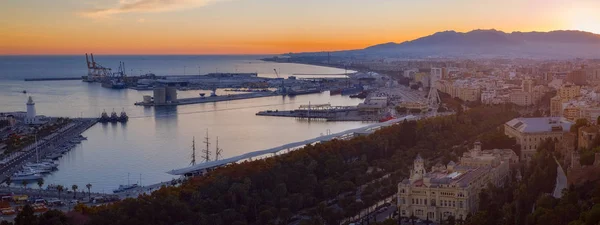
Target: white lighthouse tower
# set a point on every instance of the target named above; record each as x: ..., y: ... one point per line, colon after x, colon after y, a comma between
x: 31, y: 115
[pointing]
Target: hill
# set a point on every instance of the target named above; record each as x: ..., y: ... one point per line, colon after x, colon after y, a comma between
x: 491, y: 43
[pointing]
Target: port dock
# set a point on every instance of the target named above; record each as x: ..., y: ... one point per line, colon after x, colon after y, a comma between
x: 208, y: 99
x: 321, y: 111
x: 46, y: 145
x: 53, y: 78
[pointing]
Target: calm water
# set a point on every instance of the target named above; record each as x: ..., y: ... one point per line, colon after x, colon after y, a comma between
x: 156, y: 140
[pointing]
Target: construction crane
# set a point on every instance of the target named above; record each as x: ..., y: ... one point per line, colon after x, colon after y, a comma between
x: 282, y: 88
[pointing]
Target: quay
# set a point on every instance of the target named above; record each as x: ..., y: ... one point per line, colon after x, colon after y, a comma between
x: 198, y: 100
x: 321, y: 111
x: 53, y: 78
x: 46, y: 145
x: 204, y: 167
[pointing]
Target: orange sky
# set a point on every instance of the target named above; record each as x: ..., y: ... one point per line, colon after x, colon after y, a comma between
x: 264, y: 26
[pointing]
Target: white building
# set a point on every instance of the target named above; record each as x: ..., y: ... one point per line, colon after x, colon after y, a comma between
x: 31, y: 117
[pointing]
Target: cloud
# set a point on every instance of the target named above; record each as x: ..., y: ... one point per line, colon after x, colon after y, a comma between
x: 129, y: 6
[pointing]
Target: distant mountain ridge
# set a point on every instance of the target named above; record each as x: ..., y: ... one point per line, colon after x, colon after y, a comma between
x: 492, y: 43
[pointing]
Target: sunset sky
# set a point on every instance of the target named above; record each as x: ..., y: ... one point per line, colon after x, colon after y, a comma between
x: 265, y: 26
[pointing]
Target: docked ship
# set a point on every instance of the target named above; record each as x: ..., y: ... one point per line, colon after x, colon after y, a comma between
x: 104, y: 117
x: 123, y: 188
x: 123, y: 117
x: 114, y: 84
x: 352, y: 90
x: 294, y: 92
x: 113, y: 117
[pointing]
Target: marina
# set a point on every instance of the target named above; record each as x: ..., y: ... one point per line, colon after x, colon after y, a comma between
x: 157, y: 139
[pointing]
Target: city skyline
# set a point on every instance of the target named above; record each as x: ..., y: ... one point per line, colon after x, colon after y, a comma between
x: 264, y: 26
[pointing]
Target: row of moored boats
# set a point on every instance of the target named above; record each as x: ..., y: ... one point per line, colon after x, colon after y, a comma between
x: 37, y: 170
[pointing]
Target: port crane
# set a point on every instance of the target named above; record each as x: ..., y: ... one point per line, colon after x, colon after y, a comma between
x: 96, y: 72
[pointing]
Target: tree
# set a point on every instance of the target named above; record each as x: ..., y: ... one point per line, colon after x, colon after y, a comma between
x: 8, y: 182
x: 40, y: 183
x: 74, y: 188
x: 60, y: 189
x: 89, y: 187
x: 26, y: 216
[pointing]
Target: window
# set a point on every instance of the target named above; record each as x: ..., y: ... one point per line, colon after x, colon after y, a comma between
x: 453, y: 203
x: 413, y: 201
x: 432, y: 202
x: 425, y: 202
x: 460, y: 204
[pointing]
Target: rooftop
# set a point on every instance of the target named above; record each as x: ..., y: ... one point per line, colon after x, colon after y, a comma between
x: 539, y: 124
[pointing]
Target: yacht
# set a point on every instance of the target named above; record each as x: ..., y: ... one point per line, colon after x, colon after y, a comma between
x: 26, y: 175
x: 48, y: 165
x: 38, y: 169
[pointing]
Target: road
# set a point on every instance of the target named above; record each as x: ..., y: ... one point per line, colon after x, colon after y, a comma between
x: 561, y: 181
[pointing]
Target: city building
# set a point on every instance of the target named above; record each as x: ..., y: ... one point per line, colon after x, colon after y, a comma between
x: 452, y: 189
x: 521, y: 98
x: 527, y: 85
x: 569, y: 91
x: 530, y: 132
x: 577, y: 77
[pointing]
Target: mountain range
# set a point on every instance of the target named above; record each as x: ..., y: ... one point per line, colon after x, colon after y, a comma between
x: 491, y: 43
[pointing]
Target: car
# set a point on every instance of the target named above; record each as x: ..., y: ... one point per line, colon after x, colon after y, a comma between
x: 74, y: 201
x: 40, y: 201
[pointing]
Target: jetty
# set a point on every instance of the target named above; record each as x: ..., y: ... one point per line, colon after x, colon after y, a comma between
x: 206, y: 166
x: 53, y: 78
x: 320, y: 111
x: 208, y: 99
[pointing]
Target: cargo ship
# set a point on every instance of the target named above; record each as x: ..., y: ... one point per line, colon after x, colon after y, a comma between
x: 352, y: 90
x: 303, y: 91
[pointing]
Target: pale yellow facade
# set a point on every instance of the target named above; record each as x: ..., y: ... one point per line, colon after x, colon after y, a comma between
x: 452, y: 190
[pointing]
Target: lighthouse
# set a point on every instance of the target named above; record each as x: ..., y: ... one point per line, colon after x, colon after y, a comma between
x: 31, y: 115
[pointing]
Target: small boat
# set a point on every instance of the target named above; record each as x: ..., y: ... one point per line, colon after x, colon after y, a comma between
x: 123, y: 117
x: 26, y: 174
x: 24, y: 91
x: 104, y: 117
x: 113, y: 117
x: 123, y: 188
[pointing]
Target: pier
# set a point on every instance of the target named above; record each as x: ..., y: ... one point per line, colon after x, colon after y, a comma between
x: 53, y: 78
x: 204, y: 167
x: 321, y: 111
x: 44, y: 146
x: 198, y: 100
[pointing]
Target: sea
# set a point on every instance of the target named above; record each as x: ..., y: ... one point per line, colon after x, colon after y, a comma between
x: 158, y: 139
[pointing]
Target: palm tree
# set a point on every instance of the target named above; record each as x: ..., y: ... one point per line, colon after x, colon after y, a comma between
x: 74, y: 188
x: 60, y: 189
x: 89, y: 187
x: 8, y: 182
x: 40, y: 183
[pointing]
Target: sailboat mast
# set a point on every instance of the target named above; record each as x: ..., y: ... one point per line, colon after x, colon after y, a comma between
x: 37, y: 155
x: 218, y: 150
x: 193, y: 151
x: 206, y: 151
